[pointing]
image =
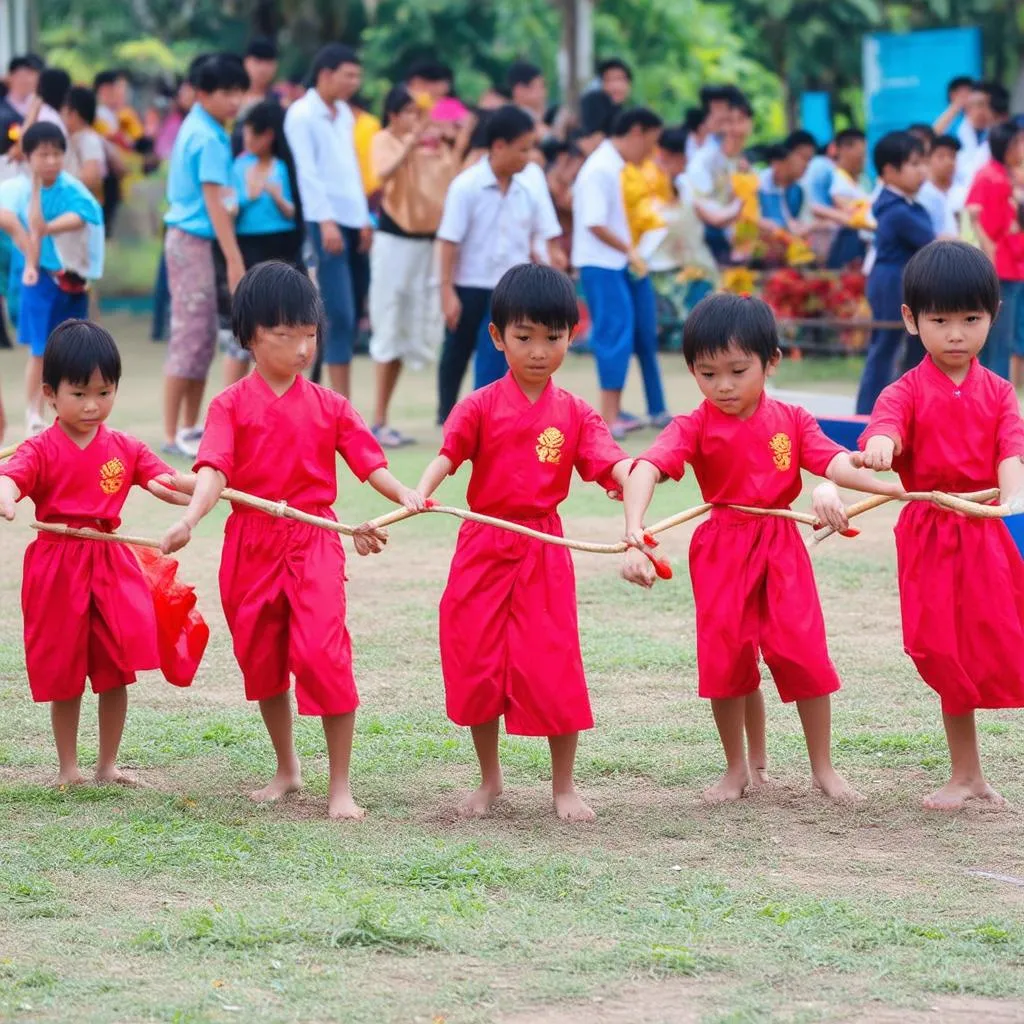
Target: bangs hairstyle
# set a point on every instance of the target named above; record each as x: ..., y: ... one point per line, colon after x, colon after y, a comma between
x: 274, y: 294
x: 535, y: 293
x: 721, y: 320
x: 76, y: 350
x: 43, y: 133
x: 950, y: 277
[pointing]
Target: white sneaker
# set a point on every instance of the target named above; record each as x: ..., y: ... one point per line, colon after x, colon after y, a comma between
x: 34, y: 424
x: 185, y: 441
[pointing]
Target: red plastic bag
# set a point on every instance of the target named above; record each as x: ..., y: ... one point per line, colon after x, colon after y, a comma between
x: 182, y: 634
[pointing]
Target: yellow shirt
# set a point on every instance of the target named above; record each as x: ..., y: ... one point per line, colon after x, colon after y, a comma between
x: 645, y: 188
x: 366, y: 127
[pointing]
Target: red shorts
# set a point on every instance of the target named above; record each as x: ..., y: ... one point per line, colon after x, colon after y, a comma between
x: 88, y: 613
x: 510, y: 641
x: 282, y: 585
x: 755, y: 594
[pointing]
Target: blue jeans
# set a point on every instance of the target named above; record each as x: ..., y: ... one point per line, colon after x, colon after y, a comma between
x: 1006, y: 337
x: 334, y: 278
x: 624, y: 320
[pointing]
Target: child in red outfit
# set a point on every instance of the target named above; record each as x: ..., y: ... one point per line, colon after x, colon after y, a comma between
x: 282, y: 583
x: 951, y: 425
x: 508, y: 630
x: 752, y: 579
x: 88, y: 610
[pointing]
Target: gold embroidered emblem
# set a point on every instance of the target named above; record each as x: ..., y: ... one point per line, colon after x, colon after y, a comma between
x: 549, y: 446
x: 782, y: 451
x: 112, y: 476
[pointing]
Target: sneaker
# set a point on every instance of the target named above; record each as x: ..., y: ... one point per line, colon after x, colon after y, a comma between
x: 386, y: 436
x: 631, y: 422
x: 192, y: 435
x: 661, y: 421
x: 619, y: 430
x: 175, y: 450
x: 188, y: 445
x: 34, y: 424
x: 405, y: 439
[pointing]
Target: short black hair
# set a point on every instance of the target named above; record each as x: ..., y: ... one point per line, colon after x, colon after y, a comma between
x: 713, y: 94
x: 925, y: 132
x: 946, y: 142
x: 429, y: 70
x: 673, y: 140
x: 397, y: 99
x: 534, y: 292
x: 1000, y: 138
x: 82, y: 101
x: 895, y: 149
x: 108, y: 77
x: 522, y: 72
x: 775, y: 153
x: 262, y: 48
x: 596, y: 112
x: 998, y: 97
x: 43, y: 133
x: 75, y: 350
x: 330, y: 58
x: 274, y: 294
x: 553, y: 148
x: 614, y: 64
x: 848, y: 136
x: 53, y: 87
x: 724, y: 319
x: 694, y: 118
x: 219, y: 71
x: 25, y: 60
x: 950, y: 277
x: 506, y: 124
x: 798, y: 138
x: 626, y: 120
x: 958, y: 83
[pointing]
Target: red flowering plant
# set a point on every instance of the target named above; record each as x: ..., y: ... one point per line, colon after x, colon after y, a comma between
x: 796, y: 295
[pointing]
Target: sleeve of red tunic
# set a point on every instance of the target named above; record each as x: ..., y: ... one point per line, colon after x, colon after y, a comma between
x: 992, y: 195
x: 217, y: 448
x: 355, y: 444
x: 24, y: 466
x: 816, y: 450
x: 462, y: 432
x: 891, y: 415
x: 676, y: 445
x: 1010, y: 429
x: 597, y: 452
x: 147, y: 464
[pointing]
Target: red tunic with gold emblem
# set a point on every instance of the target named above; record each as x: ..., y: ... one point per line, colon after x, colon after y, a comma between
x: 87, y: 608
x: 282, y: 583
x: 961, y: 579
x: 509, y: 635
x: 753, y: 585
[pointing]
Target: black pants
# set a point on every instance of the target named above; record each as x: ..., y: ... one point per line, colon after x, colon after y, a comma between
x: 459, y: 346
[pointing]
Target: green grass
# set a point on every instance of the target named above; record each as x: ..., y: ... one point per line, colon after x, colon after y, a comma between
x: 185, y: 902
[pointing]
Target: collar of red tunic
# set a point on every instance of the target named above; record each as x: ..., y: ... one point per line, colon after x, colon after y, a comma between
x: 728, y: 417
x: 101, y: 431
x: 514, y: 394
x: 947, y: 383
x: 269, y: 392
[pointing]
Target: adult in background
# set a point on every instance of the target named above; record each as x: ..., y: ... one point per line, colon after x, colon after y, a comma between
x: 319, y: 131
x: 414, y: 167
x: 86, y: 158
x: 197, y: 218
x: 992, y: 193
x: 260, y: 63
x: 429, y: 78
x: 528, y: 89
x: 22, y: 78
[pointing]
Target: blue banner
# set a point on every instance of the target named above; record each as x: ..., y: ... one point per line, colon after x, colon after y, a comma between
x: 816, y: 115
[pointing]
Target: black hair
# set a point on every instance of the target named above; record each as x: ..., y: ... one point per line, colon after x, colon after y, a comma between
x: 958, y: 83
x: 775, y: 153
x: 506, y: 124
x: 694, y: 118
x: 522, y: 72
x: 262, y: 48
x: 625, y: 121
x: 429, y: 70
x: 1000, y: 138
x: 735, y: 97
x: 724, y: 319
x: 614, y: 64
x: 83, y: 102
x: 75, y: 350
x: 998, y: 97
x: 397, y: 99
x: 713, y: 94
x: 330, y: 58
x: 43, y: 133
x: 219, y: 71
x: 947, y: 142
x: 274, y: 294
x: 23, y: 61
x: 596, y: 112
x: 798, y: 138
x: 673, y: 140
x: 925, y: 132
x: 53, y: 87
x: 950, y: 277
x: 540, y: 294
x: 895, y: 149
x: 268, y: 115
x: 107, y: 77
x: 848, y: 136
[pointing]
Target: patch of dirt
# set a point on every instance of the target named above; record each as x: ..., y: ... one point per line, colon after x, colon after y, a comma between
x: 948, y: 1010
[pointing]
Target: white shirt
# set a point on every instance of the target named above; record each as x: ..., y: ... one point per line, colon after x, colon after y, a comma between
x: 493, y: 231
x: 330, y: 184
x: 969, y: 159
x: 939, y: 208
x: 536, y: 182
x: 597, y: 202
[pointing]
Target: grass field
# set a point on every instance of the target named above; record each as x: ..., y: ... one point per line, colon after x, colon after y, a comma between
x: 185, y: 902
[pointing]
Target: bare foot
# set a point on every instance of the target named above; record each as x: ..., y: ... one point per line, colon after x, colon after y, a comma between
x: 280, y: 785
x: 115, y: 777
x: 758, y: 775
x: 731, y: 786
x: 480, y: 802
x: 70, y: 778
x: 953, y: 796
x: 343, y: 808
x: 570, y: 807
x: 835, y: 787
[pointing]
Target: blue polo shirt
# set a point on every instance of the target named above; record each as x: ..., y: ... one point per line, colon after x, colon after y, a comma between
x: 201, y: 156
x: 261, y: 216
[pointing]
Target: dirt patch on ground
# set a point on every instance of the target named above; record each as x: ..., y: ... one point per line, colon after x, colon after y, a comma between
x: 948, y: 1010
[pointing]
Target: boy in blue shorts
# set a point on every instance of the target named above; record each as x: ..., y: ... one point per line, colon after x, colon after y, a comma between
x: 57, y: 225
